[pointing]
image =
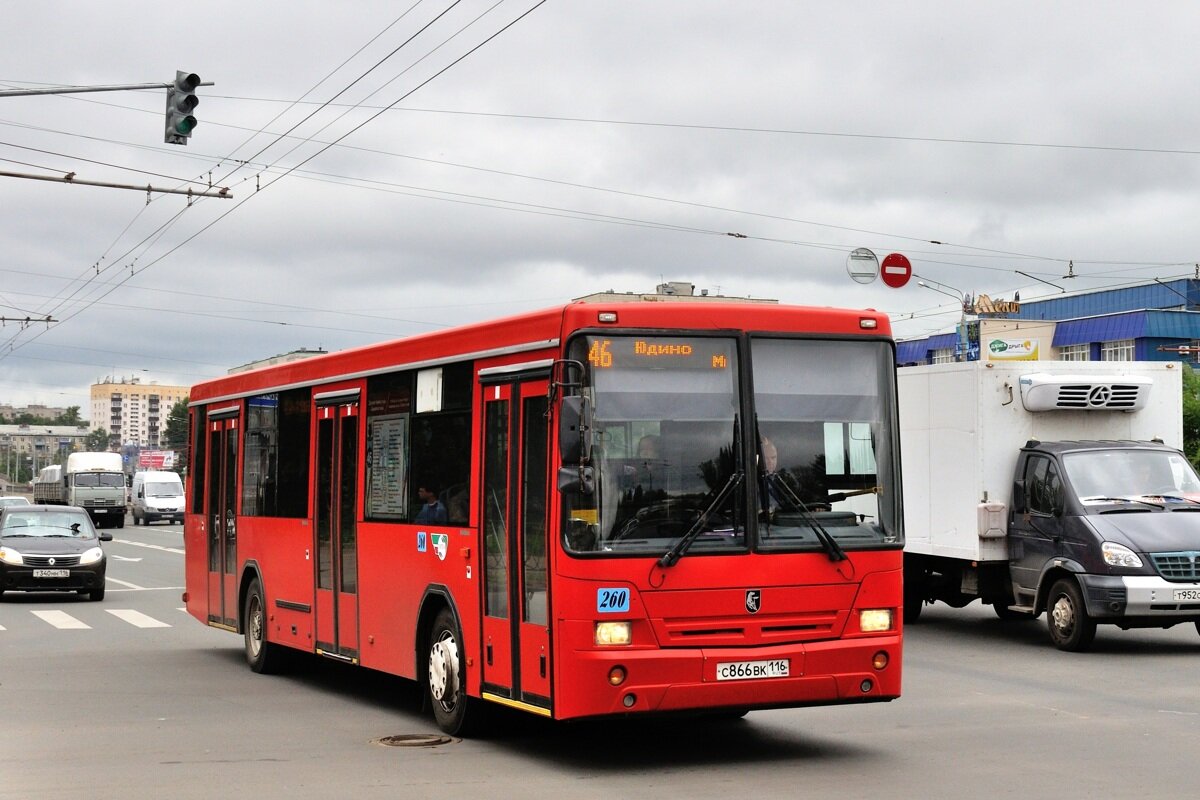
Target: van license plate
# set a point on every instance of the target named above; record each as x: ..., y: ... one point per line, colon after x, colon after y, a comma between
x: 750, y: 670
x: 1187, y: 595
x: 52, y: 573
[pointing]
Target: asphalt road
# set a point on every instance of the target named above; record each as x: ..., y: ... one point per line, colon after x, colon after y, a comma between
x: 145, y: 702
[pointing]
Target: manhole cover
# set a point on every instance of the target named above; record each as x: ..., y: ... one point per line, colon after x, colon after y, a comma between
x: 415, y: 740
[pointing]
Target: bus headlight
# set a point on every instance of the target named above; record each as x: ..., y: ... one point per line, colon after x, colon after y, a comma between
x: 874, y: 620
x: 612, y: 633
x: 10, y: 556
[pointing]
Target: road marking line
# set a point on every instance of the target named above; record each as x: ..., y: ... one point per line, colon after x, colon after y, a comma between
x: 146, y: 588
x: 151, y: 546
x: 61, y: 620
x: 126, y: 584
x: 136, y: 618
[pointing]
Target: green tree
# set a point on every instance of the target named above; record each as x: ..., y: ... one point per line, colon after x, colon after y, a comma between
x: 1191, y: 414
x: 69, y: 417
x: 96, y: 441
x: 175, y: 434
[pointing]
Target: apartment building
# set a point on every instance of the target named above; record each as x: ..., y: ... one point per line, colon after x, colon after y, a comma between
x: 133, y: 412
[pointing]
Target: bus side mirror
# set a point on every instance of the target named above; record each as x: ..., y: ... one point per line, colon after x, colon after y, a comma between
x: 576, y: 479
x: 574, y: 430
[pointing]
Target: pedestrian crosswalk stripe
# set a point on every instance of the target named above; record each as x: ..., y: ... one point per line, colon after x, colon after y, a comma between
x: 61, y: 619
x: 136, y: 618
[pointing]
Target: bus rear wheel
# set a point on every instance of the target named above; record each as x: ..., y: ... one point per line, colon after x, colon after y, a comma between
x: 455, y: 712
x: 262, y: 656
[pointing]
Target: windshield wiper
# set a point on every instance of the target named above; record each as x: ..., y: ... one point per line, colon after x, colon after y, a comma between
x: 1103, y: 499
x: 830, y: 545
x: 1177, y: 498
x: 680, y: 547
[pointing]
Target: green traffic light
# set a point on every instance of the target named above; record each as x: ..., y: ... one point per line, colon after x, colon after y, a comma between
x: 181, y: 101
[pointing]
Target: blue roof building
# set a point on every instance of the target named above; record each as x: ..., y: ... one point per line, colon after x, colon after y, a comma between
x: 1150, y: 322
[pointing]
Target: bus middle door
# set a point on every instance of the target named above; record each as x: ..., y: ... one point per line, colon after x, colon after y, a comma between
x: 516, y: 640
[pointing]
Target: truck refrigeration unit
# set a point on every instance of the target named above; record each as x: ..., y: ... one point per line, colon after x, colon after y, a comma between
x: 1050, y: 486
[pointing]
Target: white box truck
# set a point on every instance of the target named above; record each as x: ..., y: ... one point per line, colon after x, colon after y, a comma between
x: 155, y: 495
x: 93, y: 481
x: 1050, y: 486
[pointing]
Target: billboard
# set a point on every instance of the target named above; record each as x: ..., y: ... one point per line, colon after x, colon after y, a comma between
x: 1002, y: 349
x: 156, y: 459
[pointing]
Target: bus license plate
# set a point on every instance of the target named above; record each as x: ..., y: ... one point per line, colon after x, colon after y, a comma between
x: 750, y: 670
x: 52, y: 573
x: 1187, y: 595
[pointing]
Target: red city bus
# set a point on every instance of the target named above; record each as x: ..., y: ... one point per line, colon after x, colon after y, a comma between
x: 628, y: 504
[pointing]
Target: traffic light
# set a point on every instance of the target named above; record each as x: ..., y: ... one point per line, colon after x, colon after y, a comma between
x: 181, y: 100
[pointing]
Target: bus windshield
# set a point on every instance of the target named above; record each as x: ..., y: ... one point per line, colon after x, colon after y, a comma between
x: 826, y: 455
x: 667, y: 452
x: 665, y: 445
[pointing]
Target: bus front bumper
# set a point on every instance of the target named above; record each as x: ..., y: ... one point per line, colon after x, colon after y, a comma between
x: 698, y: 679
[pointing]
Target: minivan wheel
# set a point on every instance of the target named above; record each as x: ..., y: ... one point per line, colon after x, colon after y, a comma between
x: 1071, y: 627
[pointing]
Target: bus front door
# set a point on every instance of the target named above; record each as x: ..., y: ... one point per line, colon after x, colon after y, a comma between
x: 334, y: 526
x: 516, y: 641
x: 222, y: 521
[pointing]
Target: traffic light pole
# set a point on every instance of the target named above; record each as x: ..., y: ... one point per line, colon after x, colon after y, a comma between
x: 80, y: 89
x: 181, y: 100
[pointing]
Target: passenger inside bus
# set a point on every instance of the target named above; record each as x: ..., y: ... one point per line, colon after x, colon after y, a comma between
x: 432, y: 509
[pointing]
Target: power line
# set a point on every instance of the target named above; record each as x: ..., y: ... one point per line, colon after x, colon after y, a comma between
x: 156, y: 235
x: 424, y: 83
x: 773, y: 131
x: 328, y: 75
x: 99, y: 163
x: 347, y: 88
x: 978, y: 252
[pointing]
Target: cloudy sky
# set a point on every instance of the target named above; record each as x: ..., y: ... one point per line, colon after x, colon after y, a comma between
x: 400, y: 167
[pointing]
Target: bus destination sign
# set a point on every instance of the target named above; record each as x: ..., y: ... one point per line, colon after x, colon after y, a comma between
x: 635, y: 353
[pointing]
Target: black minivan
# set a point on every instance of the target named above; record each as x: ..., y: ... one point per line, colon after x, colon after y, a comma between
x: 51, y: 548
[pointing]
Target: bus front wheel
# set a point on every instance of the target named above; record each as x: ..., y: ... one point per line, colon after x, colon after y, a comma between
x: 455, y: 712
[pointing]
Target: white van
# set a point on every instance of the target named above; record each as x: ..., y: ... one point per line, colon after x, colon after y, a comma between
x: 156, y: 495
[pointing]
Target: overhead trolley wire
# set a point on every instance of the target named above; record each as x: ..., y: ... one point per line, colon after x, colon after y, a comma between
x: 9, y: 347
